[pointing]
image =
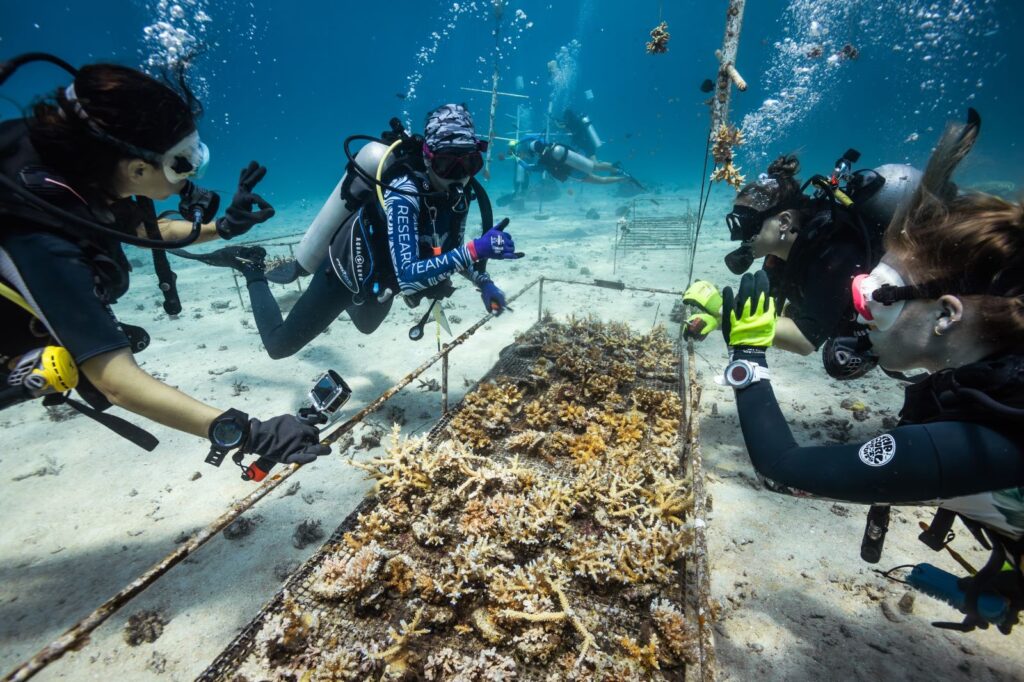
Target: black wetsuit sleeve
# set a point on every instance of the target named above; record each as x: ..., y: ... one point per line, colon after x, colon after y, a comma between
x: 826, y: 292
x: 917, y: 463
x: 56, y: 278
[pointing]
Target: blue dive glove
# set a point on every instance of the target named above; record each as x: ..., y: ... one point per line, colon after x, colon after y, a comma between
x: 494, y: 298
x: 494, y: 243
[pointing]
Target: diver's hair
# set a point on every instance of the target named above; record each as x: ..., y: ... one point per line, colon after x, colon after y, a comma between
x: 127, y: 104
x: 975, y: 241
x: 780, y: 188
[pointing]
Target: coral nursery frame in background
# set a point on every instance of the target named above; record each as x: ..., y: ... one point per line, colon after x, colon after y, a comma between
x: 696, y: 573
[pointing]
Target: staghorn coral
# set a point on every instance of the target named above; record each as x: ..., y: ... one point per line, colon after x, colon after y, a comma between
x: 680, y: 636
x: 726, y: 138
x: 658, y: 44
x: 555, y: 544
x: 645, y: 655
x: 430, y: 530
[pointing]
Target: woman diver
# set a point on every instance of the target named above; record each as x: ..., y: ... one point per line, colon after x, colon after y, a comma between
x: 813, y: 247
x: 411, y: 245
x: 948, y: 297
x: 68, y: 175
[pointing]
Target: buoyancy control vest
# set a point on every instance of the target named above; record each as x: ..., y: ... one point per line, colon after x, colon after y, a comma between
x: 990, y: 392
x: 21, y: 163
x: 359, y: 253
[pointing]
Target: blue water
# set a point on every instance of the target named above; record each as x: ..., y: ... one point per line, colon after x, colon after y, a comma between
x: 284, y: 83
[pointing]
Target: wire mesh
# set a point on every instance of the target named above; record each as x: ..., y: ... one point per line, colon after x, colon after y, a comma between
x: 514, y: 363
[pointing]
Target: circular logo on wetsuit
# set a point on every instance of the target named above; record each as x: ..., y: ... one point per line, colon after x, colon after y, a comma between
x: 878, y: 451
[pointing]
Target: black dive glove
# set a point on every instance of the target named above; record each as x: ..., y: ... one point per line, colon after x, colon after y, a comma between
x: 240, y: 216
x: 285, y: 440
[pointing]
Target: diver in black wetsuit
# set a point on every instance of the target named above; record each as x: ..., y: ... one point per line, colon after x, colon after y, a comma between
x: 812, y: 247
x: 948, y: 297
x: 410, y: 246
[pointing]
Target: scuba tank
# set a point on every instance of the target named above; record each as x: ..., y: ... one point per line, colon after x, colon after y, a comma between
x: 563, y: 155
x: 591, y: 132
x: 349, y: 194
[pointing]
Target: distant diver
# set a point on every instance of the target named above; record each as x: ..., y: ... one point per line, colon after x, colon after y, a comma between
x: 77, y: 180
x: 399, y: 232
x: 536, y: 155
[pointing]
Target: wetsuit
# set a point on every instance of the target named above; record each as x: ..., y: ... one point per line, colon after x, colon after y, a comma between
x: 971, y: 466
x: 413, y: 226
x: 815, y: 279
x: 68, y: 275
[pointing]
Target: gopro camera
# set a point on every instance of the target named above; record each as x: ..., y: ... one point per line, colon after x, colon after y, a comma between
x: 329, y: 393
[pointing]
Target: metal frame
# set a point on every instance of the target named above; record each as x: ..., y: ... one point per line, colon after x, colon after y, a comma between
x: 654, y: 233
x: 697, y: 569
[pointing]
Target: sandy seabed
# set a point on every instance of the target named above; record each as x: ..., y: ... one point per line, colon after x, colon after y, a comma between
x: 798, y: 603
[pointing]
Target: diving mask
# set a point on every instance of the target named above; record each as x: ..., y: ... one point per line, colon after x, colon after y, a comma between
x: 745, y: 222
x: 873, y: 306
x: 451, y: 163
x: 186, y: 159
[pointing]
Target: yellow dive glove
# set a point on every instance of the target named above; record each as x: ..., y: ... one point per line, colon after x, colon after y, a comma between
x: 748, y: 318
x: 705, y: 297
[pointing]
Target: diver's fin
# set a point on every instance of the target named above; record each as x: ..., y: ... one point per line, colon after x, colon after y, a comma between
x: 239, y: 257
x: 286, y: 272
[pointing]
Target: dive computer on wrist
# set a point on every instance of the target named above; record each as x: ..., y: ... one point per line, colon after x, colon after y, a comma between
x: 742, y: 373
x: 227, y: 432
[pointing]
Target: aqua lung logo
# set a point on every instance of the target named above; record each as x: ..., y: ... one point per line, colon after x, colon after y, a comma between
x: 878, y: 451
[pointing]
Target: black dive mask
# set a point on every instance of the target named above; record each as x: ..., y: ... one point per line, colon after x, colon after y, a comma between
x: 745, y: 222
x: 458, y: 198
x: 740, y: 260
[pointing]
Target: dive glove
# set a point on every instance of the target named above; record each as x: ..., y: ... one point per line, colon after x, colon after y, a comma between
x: 240, y: 216
x: 494, y: 243
x: 285, y: 439
x: 494, y: 298
x: 704, y: 295
x: 699, y: 326
x: 748, y: 318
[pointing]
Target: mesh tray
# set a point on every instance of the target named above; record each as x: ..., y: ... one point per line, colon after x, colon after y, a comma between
x: 514, y: 363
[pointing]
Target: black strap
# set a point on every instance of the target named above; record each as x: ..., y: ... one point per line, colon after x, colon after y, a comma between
x: 164, y: 273
x: 940, y: 531
x: 144, y: 439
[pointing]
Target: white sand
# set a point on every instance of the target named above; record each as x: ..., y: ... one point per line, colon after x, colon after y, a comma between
x: 799, y: 603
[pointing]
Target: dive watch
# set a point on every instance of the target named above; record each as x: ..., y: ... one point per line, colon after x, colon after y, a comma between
x: 742, y: 373
x: 227, y: 432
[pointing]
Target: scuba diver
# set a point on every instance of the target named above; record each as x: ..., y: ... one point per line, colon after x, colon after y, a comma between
x: 948, y: 296
x: 535, y: 154
x: 812, y: 246
x: 77, y: 180
x: 582, y: 132
x: 363, y: 249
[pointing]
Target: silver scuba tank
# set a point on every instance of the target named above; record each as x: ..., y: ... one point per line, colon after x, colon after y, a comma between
x: 562, y: 154
x: 346, y: 197
x: 591, y: 132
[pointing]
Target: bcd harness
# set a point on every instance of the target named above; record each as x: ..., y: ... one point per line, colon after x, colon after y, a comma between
x: 359, y: 252
x: 20, y: 163
x: 990, y: 392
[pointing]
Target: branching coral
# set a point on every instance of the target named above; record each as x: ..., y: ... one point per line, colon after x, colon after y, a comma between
x: 658, y: 44
x: 578, y: 494
x: 680, y: 636
x: 726, y: 138
x: 343, y: 577
x: 288, y: 632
